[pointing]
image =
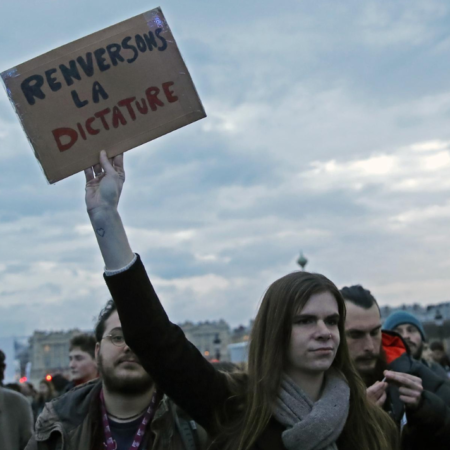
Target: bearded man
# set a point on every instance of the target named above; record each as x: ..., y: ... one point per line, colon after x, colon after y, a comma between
x: 121, y: 410
x: 411, y: 330
x: 416, y: 398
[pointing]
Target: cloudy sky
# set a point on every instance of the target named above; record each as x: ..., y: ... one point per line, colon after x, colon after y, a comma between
x: 327, y: 131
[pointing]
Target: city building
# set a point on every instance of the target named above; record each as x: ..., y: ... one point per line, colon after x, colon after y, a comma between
x: 241, y: 333
x: 49, y: 353
x: 211, y: 338
x: 238, y: 352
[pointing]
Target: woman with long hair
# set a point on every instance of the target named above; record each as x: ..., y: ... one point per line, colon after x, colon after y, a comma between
x: 301, y: 390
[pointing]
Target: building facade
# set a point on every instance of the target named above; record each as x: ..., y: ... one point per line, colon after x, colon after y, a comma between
x: 211, y: 338
x: 49, y: 353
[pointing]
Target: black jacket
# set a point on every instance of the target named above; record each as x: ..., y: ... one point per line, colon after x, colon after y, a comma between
x: 428, y: 426
x: 73, y: 422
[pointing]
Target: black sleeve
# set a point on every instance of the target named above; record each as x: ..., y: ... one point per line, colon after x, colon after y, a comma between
x: 176, y: 365
x: 438, y: 370
x: 432, y: 382
x: 429, y: 425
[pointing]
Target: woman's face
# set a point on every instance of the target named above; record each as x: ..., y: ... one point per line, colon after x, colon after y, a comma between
x: 315, y: 336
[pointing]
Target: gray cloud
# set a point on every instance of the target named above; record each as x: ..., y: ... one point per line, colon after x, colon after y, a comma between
x: 327, y: 131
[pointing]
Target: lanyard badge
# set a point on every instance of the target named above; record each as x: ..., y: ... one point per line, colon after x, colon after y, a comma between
x: 110, y: 443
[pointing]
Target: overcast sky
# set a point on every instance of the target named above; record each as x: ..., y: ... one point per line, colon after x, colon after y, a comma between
x: 327, y: 131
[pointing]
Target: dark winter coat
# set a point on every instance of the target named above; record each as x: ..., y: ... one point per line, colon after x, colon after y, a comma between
x: 428, y: 426
x: 72, y: 422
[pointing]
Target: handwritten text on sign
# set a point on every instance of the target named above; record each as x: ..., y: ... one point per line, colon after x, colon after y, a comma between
x: 115, y: 89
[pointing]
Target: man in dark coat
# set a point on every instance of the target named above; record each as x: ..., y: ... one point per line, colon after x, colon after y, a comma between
x: 417, y: 399
x: 411, y: 330
x: 121, y: 410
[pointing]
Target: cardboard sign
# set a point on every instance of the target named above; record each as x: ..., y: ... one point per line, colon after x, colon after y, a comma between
x: 113, y: 90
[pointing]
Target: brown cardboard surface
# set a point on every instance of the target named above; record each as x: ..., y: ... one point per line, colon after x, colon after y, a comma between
x: 94, y: 69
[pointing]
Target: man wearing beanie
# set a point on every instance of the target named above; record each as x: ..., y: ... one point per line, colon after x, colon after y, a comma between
x: 412, y: 332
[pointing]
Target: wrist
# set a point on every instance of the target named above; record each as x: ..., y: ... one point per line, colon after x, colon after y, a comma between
x: 102, y: 213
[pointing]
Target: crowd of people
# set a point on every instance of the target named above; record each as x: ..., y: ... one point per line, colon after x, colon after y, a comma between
x: 323, y: 371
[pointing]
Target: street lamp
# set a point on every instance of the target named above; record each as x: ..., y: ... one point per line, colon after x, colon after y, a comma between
x: 302, y: 261
x: 439, y: 321
x: 217, y: 343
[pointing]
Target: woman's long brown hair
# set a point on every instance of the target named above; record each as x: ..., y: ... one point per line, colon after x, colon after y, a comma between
x: 368, y: 427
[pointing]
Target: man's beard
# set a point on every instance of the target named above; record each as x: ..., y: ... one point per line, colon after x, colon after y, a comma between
x: 376, y: 374
x: 128, y: 386
x: 416, y: 352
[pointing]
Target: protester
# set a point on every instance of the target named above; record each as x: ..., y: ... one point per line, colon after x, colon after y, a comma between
x: 439, y: 356
x: 28, y: 391
x: 427, y: 354
x: 412, y: 332
x: 301, y: 389
x: 46, y: 392
x: 121, y: 410
x: 16, y: 419
x: 409, y: 386
x: 82, y: 364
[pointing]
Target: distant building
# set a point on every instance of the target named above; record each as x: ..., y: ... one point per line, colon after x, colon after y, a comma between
x: 241, y: 333
x: 238, y: 352
x: 211, y: 338
x: 49, y: 352
x: 7, y: 344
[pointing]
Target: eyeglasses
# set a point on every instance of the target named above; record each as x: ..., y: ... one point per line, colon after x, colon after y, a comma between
x: 116, y: 339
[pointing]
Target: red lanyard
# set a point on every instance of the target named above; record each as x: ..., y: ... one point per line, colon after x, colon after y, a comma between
x: 148, y: 417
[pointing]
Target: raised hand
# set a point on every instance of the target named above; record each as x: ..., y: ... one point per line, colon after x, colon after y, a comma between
x: 104, y: 183
x: 410, y: 387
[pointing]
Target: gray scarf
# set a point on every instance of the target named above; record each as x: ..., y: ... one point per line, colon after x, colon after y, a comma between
x: 313, y: 426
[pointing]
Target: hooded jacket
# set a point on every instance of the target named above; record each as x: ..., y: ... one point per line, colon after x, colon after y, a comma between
x: 72, y: 422
x: 428, y: 426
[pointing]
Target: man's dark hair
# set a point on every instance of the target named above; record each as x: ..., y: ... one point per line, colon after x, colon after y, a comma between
x: 2, y: 367
x: 59, y: 381
x: 104, y: 315
x: 85, y: 342
x: 358, y: 296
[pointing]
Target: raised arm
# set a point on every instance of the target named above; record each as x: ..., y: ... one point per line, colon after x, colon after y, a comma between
x: 104, y: 184
x: 177, y: 367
